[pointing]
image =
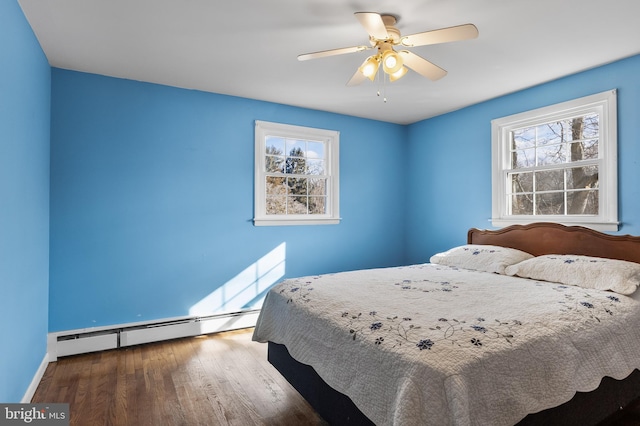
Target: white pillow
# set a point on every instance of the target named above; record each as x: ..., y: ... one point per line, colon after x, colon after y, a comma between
x: 583, y: 271
x: 481, y: 257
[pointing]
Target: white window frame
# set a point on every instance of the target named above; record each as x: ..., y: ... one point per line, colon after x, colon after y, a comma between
x: 603, y: 104
x: 331, y: 138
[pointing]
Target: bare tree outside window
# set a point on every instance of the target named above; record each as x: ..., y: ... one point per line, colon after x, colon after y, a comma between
x: 295, y: 181
x: 547, y: 177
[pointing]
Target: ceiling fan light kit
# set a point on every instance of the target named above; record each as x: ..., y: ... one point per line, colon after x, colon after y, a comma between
x: 398, y: 74
x: 383, y: 36
x: 369, y: 67
x: 391, y: 61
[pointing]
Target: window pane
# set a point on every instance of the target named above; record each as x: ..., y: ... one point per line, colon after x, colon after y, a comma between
x: 295, y: 165
x: 582, y: 177
x: 317, y: 205
x: 591, y: 128
x: 521, y: 182
x: 590, y: 147
x: 550, y: 180
x: 296, y: 205
x: 551, y: 133
x: 552, y: 154
x: 523, y: 158
x: 550, y: 203
x: 585, y: 150
x: 315, y: 167
x: 276, y: 186
x: 274, y: 154
x: 297, y: 186
x: 315, y: 150
x: 522, y: 204
x: 523, y: 138
x: 317, y: 187
x: 295, y: 148
x: 274, y: 145
x: 276, y: 205
x: 583, y: 202
x: 274, y: 164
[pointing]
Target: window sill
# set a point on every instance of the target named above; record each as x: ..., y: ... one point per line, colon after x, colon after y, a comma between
x: 295, y: 222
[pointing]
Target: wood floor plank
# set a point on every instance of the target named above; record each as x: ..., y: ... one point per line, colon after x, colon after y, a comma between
x: 221, y: 379
x: 119, y: 409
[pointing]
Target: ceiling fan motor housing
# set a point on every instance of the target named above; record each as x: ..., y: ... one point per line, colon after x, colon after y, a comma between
x: 389, y: 22
x: 392, y: 32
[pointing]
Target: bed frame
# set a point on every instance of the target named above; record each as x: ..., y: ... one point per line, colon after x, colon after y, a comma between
x: 553, y: 238
x: 586, y: 408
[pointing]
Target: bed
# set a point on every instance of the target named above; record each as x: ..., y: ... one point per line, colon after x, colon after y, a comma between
x: 532, y: 325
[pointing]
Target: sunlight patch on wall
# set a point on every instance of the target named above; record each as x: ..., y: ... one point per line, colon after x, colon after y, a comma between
x: 247, y: 289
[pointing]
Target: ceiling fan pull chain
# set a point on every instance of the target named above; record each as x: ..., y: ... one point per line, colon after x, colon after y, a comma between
x: 382, y: 82
x: 384, y: 87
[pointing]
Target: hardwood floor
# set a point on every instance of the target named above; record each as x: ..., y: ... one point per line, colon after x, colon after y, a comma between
x: 220, y: 379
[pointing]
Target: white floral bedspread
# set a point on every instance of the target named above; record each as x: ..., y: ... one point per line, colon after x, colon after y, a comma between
x: 435, y: 345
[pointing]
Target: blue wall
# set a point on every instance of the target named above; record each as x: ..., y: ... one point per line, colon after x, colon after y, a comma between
x: 151, y: 194
x: 25, y: 83
x: 152, y: 201
x: 449, y: 174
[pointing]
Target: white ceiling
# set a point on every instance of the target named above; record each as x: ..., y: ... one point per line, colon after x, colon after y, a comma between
x: 185, y: 43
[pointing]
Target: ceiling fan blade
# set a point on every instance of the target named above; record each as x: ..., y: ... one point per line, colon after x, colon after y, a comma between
x: 372, y: 22
x: 357, y: 79
x: 332, y: 52
x: 422, y: 66
x: 444, y: 35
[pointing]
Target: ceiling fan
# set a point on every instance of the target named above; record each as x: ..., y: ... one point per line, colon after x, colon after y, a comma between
x: 383, y: 36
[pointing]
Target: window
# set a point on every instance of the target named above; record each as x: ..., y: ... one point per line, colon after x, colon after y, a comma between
x: 296, y: 172
x: 557, y: 164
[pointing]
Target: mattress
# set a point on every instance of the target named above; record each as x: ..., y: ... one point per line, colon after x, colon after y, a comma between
x: 437, y: 345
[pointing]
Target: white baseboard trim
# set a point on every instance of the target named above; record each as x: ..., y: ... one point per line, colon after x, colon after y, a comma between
x: 73, y: 342
x: 31, y: 390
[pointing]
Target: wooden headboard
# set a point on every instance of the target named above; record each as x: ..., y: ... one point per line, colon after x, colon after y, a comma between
x: 552, y: 238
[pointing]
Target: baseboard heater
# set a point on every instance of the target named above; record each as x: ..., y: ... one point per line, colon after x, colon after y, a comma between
x: 75, y: 342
